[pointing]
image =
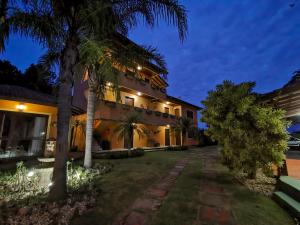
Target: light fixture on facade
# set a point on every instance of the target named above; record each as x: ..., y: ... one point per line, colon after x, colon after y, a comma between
x: 21, y: 107
x: 139, y: 93
x: 168, y: 125
x: 167, y: 103
x: 139, y: 67
x: 50, y: 184
x: 109, y: 84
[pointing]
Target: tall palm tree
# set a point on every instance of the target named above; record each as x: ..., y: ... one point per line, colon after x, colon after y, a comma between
x: 126, y: 129
x: 102, y: 60
x: 184, y: 125
x: 61, y: 26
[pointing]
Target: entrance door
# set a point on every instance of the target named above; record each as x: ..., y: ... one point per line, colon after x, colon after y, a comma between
x: 167, y: 110
x: 177, y: 138
x: 177, y: 113
x: 167, y: 137
x: 22, y: 134
x: 129, y: 101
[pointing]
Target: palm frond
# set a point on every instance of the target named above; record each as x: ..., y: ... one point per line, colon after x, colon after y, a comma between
x: 152, y: 11
x: 4, y: 24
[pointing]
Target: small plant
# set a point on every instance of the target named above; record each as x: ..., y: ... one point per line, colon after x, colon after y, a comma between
x: 80, y: 178
x: 22, y: 184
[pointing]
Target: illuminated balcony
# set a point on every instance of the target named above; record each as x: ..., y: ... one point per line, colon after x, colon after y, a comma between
x: 130, y: 82
x: 106, y: 110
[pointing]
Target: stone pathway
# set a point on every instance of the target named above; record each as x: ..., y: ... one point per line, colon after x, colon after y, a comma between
x: 215, y: 208
x: 143, y: 208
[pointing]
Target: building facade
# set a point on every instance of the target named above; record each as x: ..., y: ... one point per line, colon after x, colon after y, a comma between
x: 144, y: 94
x: 28, y: 118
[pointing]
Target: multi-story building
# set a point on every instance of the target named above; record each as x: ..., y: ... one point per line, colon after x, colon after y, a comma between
x: 143, y: 93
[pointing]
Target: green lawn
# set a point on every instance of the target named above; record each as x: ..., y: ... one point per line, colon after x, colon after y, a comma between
x: 130, y: 177
x: 180, y: 207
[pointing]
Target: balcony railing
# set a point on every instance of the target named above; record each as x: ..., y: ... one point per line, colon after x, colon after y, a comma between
x: 131, y: 82
x: 107, y: 110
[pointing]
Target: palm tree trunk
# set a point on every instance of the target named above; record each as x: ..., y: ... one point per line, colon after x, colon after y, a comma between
x: 89, y: 128
x: 58, y: 189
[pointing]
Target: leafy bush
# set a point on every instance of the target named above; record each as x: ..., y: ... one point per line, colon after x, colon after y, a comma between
x: 19, y: 185
x: 251, y: 135
x: 80, y: 179
x: 23, y: 187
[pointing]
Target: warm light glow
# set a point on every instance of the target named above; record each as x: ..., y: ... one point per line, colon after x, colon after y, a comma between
x: 167, y: 103
x: 109, y: 84
x: 50, y: 184
x: 139, y: 93
x: 30, y: 174
x: 168, y: 125
x: 21, y: 107
x: 139, y: 68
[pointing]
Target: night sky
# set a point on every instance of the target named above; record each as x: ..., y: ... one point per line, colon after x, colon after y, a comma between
x: 235, y: 40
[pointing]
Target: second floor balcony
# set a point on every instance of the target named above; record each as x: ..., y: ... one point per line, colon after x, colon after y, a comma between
x: 145, y: 86
x: 106, y: 110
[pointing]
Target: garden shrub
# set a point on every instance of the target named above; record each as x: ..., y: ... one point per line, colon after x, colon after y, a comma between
x: 251, y: 135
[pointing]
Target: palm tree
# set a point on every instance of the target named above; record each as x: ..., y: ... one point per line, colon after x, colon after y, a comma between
x: 102, y: 60
x: 184, y: 125
x: 61, y: 26
x: 126, y: 129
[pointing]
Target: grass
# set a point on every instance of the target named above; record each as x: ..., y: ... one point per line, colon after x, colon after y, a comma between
x: 130, y: 177
x: 249, y: 208
x: 182, y: 202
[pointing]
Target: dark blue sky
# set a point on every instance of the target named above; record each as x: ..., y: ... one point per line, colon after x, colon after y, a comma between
x: 228, y: 39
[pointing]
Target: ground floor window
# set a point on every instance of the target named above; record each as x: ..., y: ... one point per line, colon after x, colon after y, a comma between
x: 22, y: 134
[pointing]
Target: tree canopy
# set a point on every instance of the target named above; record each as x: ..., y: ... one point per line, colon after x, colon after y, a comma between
x: 251, y: 135
x: 34, y: 77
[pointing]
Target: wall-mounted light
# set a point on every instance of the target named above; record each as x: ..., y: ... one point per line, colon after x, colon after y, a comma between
x: 109, y: 84
x: 139, y: 67
x: 167, y: 103
x: 168, y: 125
x: 139, y: 93
x: 21, y: 107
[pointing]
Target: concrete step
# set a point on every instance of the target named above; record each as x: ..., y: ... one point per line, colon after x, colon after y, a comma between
x: 289, y: 186
x: 288, y: 203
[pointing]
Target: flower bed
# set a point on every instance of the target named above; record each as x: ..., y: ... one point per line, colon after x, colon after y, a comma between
x: 24, y: 201
x: 262, y: 183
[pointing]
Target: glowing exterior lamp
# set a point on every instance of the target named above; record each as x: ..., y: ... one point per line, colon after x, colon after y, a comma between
x: 167, y: 103
x: 139, y: 67
x: 50, y: 184
x: 139, y: 93
x: 168, y: 125
x: 21, y: 107
x: 30, y: 174
x: 109, y: 84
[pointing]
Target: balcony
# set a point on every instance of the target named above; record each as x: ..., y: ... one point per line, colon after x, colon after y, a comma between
x: 106, y: 110
x: 133, y: 83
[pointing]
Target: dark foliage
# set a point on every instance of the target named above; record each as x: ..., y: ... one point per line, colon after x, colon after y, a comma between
x: 34, y: 77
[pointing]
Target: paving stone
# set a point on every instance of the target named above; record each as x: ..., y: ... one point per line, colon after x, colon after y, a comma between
x: 143, y: 207
x: 215, y: 200
x: 215, y: 216
x: 146, y: 204
x: 134, y: 218
x: 157, y: 193
x: 212, y: 189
